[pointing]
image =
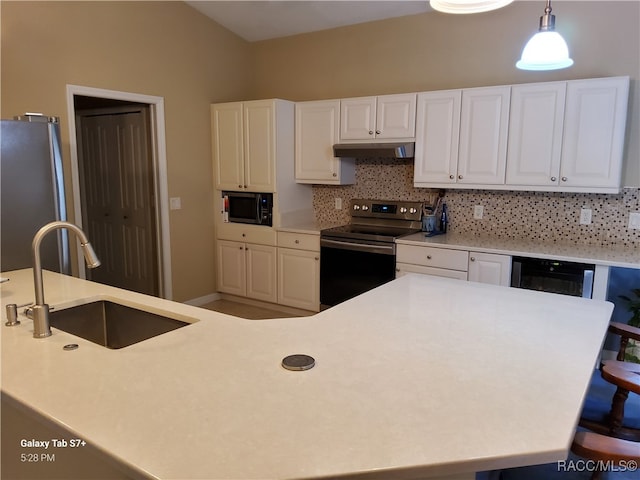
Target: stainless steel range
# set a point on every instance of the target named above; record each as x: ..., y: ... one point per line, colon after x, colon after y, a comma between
x: 361, y: 255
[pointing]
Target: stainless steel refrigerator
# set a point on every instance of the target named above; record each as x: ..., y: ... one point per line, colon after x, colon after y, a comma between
x: 31, y: 192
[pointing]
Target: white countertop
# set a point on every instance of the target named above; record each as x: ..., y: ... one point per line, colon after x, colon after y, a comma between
x: 611, y: 256
x: 421, y: 377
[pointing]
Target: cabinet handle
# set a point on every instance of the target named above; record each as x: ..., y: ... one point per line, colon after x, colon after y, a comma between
x: 564, y: 179
x: 460, y: 177
x: 397, y: 269
x: 428, y: 257
x: 553, y: 179
x: 473, y: 259
x: 245, y: 186
x: 297, y: 241
x: 378, y: 132
x: 241, y: 248
x: 239, y: 186
x: 316, y: 258
x: 370, y: 132
x: 335, y: 174
x: 452, y: 177
x: 243, y: 235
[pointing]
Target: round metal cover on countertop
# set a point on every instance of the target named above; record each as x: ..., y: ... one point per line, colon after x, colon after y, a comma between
x: 70, y: 346
x: 298, y: 362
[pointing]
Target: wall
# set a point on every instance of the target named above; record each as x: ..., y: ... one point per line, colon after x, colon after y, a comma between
x: 538, y: 216
x: 436, y: 51
x: 164, y: 49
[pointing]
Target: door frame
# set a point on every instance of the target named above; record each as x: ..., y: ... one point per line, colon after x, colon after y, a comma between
x: 159, y: 158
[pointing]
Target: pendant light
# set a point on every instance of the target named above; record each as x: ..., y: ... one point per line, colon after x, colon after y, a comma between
x: 467, y: 6
x: 546, y: 50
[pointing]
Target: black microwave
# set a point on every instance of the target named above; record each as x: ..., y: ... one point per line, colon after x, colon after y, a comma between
x: 247, y: 207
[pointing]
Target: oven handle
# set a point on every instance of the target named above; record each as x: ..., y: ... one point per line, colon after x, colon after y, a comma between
x: 389, y: 249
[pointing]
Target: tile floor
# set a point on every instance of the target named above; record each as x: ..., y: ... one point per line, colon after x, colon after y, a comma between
x: 243, y: 310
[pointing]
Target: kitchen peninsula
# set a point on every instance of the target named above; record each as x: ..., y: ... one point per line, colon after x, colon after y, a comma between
x: 423, y: 377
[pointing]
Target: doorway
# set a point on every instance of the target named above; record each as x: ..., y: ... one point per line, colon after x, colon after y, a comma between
x: 117, y: 192
x: 119, y: 185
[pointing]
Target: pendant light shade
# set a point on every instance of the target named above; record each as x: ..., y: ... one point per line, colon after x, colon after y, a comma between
x: 467, y: 6
x: 546, y: 50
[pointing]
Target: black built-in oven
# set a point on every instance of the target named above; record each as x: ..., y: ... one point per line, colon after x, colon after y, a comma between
x: 567, y: 278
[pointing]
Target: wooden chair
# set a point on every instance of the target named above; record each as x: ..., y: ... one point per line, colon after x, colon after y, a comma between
x: 603, y: 443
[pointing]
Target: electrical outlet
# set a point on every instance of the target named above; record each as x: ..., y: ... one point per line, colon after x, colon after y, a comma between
x: 634, y: 221
x: 478, y: 211
x: 338, y: 203
x: 585, y: 216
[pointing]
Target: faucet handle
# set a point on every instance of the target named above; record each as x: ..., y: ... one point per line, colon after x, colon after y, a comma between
x: 12, y: 315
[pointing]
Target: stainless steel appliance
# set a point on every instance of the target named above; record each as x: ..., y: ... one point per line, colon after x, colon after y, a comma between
x: 568, y: 278
x: 32, y: 192
x: 361, y: 255
x: 247, y: 207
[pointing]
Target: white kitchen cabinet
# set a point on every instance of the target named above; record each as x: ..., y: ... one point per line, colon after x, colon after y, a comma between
x: 437, y: 136
x: 490, y: 268
x: 535, y: 133
x: 484, y: 125
x: 247, y: 138
x: 317, y: 129
x: 299, y: 270
x: 247, y: 270
x: 461, y: 137
x: 378, y: 118
x: 594, y: 131
x: 440, y: 262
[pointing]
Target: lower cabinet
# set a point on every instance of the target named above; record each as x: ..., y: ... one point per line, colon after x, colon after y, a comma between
x: 490, y: 268
x: 299, y: 270
x: 460, y: 264
x: 247, y: 270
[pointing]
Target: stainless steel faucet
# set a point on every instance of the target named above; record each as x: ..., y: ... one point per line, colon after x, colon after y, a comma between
x: 41, y: 327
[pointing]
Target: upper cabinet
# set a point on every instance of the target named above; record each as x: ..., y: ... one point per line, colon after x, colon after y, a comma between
x: 535, y: 133
x: 461, y: 137
x: 555, y: 136
x: 594, y: 129
x: 317, y: 129
x: 247, y: 137
x: 378, y: 118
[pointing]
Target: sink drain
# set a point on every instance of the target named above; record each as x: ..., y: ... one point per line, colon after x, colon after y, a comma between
x: 70, y: 346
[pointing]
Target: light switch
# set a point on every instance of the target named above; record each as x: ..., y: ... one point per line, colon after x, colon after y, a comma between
x: 175, y: 203
x: 634, y: 221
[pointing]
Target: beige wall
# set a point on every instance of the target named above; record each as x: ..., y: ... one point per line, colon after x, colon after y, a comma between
x: 437, y: 51
x: 164, y: 49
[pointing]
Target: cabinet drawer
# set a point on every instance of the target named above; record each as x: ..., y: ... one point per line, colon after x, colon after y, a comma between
x: 300, y: 241
x: 433, y: 257
x: 402, y: 268
x: 237, y: 232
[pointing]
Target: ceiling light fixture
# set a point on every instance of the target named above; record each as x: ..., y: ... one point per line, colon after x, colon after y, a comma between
x: 546, y: 50
x: 467, y: 6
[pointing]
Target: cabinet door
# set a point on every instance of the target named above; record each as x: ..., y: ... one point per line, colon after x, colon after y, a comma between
x: 535, y: 133
x: 396, y: 116
x: 484, y: 125
x: 316, y: 131
x: 261, y: 272
x: 228, y: 155
x: 594, y: 129
x: 299, y: 278
x: 437, y: 134
x: 260, y: 145
x: 490, y: 268
x: 231, y: 268
x: 357, y: 118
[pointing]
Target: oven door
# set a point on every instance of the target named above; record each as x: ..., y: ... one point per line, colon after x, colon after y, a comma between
x: 351, y: 267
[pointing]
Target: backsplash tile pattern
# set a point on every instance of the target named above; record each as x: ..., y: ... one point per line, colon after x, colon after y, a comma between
x: 543, y: 216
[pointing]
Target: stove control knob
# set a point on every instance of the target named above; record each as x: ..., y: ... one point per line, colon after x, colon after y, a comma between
x: 356, y: 207
x: 364, y: 208
x: 403, y: 209
x: 412, y: 210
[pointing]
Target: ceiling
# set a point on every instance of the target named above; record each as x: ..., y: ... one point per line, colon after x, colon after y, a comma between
x: 262, y: 20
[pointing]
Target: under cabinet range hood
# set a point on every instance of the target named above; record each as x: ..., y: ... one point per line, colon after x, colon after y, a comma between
x: 374, y: 150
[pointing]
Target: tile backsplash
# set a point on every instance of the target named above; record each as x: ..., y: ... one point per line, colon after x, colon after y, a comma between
x: 544, y: 216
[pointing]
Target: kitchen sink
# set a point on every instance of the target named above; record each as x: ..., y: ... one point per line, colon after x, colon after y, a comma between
x: 111, y: 324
